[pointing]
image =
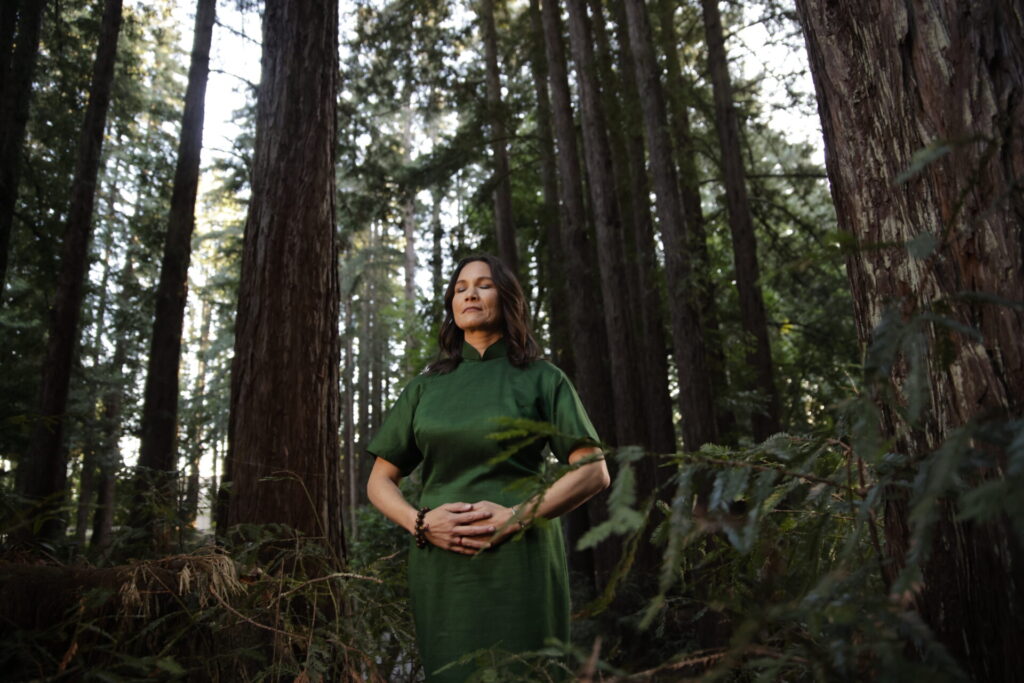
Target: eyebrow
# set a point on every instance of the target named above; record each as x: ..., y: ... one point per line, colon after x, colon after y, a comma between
x: 482, y: 277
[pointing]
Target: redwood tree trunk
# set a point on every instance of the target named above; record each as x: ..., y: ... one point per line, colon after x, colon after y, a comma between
x: 693, y: 213
x: 158, y: 457
x: 282, y: 461
x: 17, y: 70
x: 741, y: 225
x: 894, y: 78
x: 504, y: 229
x: 657, y: 403
x: 608, y: 227
x: 586, y: 326
x: 696, y: 393
x: 42, y: 472
x: 552, y: 256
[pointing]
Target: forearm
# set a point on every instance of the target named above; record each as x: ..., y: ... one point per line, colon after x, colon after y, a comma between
x: 570, y: 491
x: 385, y: 495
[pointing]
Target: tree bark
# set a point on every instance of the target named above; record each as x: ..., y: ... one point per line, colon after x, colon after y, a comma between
x: 503, y: 226
x: 765, y: 421
x: 551, y: 254
x: 587, y: 328
x: 657, y: 402
x: 17, y: 72
x: 282, y: 463
x: 679, y: 92
x: 696, y: 395
x: 608, y: 226
x: 42, y: 473
x: 894, y: 78
x: 587, y: 332
x: 158, y: 462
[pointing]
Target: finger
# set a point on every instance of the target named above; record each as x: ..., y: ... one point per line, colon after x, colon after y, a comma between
x: 474, y: 516
x: 473, y: 530
x: 457, y: 507
x: 474, y: 544
x: 461, y: 549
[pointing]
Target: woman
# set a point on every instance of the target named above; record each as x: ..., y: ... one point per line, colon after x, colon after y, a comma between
x: 469, y: 588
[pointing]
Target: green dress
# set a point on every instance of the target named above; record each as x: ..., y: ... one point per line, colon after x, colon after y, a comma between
x: 514, y: 596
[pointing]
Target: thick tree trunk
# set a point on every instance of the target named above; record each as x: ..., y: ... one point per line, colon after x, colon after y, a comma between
x: 42, y: 473
x: 552, y: 256
x: 17, y: 71
x: 158, y: 457
x: 629, y: 422
x: 283, y: 464
x: 741, y: 224
x: 503, y: 226
x: 894, y: 78
x: 696, y: 393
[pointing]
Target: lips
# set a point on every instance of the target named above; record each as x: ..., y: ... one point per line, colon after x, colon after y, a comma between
x: 472, y: 308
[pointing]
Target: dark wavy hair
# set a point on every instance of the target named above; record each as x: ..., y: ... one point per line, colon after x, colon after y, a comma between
x: 515, y: 320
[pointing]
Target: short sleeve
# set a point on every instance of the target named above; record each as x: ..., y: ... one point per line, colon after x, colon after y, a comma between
x: 568, y: 416
x: 394, y: 440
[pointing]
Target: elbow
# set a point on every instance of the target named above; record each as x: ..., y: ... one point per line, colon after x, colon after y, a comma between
x: 602, y: 479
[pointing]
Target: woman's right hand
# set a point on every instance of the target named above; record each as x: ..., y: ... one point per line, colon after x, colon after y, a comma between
x: 456, y: 527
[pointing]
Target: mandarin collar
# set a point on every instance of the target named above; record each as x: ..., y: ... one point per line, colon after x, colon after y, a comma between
x: 496, y: 350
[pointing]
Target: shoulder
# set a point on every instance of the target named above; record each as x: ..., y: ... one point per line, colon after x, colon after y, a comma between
x: 414, y: 388
x: 546, y: 373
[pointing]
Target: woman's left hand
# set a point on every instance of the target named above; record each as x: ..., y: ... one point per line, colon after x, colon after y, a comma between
x: 503, y: 520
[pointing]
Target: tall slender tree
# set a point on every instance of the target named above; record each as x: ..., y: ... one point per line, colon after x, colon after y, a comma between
x: 42, y: 472
x: 741, y: 224
x: 586, y: 331
x: 646, y: 272
x: 17, y: 70
x: 696, y: 392
x: 680, y: 101
x: 158, y: 452
x: 552, y: 217
x: 503, y: 225
x: 608, y: 227
x: 282, y: 464
x: 922, y: 107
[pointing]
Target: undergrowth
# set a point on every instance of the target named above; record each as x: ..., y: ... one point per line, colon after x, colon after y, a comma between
x: 773, y: 565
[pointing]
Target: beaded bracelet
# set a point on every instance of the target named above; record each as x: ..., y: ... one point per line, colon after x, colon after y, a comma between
x: 421, y: 531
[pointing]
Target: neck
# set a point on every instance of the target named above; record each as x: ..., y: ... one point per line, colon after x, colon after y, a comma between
x: 481, y: 339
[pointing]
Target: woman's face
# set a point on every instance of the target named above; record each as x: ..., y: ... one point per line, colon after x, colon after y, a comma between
x: 476, y: 305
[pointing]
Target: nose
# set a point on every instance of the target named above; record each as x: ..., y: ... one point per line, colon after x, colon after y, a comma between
x: 471, y: 292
